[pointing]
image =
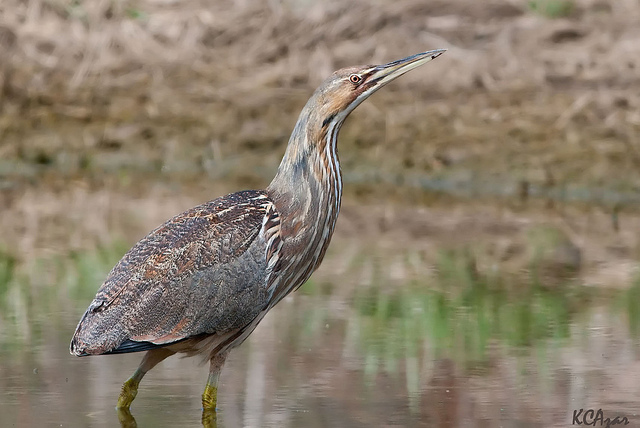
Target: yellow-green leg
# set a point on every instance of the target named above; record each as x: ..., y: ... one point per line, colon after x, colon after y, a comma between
x: 209, y: 401
x: 209, y: 419
x: 210, y: 394
x: 130, y: 387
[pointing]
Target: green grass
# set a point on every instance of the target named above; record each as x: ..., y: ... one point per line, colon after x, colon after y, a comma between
x: 552, y: 8
x: 7, y: 271
x: 627, y: 304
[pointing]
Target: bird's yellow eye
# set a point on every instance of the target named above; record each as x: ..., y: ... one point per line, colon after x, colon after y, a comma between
x: 354, y: 78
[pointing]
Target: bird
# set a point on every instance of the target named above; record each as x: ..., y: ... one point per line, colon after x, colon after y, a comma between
x: 200, y: 283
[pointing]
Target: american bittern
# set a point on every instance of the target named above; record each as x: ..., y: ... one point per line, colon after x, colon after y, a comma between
x: 201, y: 282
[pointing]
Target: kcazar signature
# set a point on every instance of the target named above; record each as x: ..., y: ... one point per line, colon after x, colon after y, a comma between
x: 595, y: 417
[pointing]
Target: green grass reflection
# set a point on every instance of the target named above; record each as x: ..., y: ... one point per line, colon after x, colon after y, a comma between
x: 456, y: 312
x: 460, y: 312
x: 49, y: 290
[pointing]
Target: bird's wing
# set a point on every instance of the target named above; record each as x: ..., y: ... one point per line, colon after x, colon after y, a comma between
x: 204, y: 271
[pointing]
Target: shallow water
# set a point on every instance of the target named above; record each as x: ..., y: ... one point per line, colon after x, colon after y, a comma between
x: 454, y: 351
x: 416, y: 318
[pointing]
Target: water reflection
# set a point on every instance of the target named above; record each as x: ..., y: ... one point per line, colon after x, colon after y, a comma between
x: 127, y: 420
x: 459, y: 349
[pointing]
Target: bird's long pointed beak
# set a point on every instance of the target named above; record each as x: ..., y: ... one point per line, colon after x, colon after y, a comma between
x: 379, y: 75
x: 385, y: 73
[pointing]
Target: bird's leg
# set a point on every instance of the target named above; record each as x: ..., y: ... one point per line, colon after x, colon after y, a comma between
x: 130, y: 387
x: 209, y: 419
x: 210, y: 394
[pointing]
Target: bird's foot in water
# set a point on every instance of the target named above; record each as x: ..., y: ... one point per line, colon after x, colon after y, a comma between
x: 128, y: 393
x: 209, y: 418
x: 209, y: 398
x: 209, y: 402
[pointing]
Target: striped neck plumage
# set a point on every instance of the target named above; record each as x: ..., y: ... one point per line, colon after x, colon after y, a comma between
x: 309, y: 181
x: 307, y: 191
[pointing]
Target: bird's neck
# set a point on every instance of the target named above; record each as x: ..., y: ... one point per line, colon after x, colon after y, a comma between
x: 307, y: 188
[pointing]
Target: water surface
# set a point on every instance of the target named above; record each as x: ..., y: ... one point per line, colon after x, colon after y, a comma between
x: 456, y: 349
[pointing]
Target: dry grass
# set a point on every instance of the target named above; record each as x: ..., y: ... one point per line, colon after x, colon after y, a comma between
x: 518, y: 94
x: 499, y: 44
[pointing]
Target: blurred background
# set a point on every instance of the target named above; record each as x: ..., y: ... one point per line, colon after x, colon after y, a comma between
x: 484, y: 270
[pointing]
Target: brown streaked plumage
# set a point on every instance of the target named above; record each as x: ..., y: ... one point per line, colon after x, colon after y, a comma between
x: 201, y: 282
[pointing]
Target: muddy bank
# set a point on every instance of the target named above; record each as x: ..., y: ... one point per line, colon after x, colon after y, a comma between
x: 526, y: 97
x: 560, y: 244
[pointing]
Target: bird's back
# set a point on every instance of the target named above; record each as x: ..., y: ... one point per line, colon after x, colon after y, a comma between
x: 203, y: 272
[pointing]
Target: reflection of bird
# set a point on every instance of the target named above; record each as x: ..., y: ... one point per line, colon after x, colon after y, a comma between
x: 201, y: 282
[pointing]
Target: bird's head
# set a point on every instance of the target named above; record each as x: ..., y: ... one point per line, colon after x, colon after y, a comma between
x: 323, y: 115
x: 345, y: 89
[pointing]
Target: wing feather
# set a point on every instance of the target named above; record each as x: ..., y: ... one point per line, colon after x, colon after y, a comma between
x: 203, y: 271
